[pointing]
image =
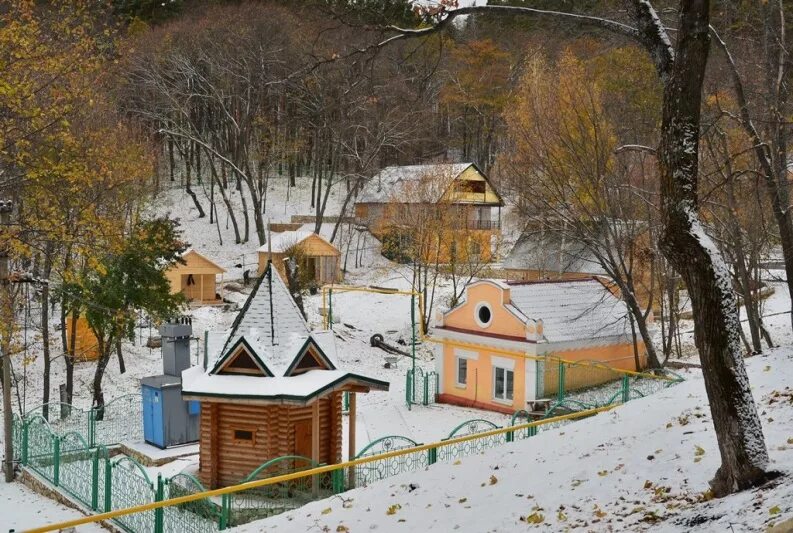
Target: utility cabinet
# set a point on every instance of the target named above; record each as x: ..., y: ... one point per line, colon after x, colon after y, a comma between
x: 168, y: 420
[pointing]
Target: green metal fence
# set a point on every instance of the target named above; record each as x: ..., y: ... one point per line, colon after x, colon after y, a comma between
x: 118, y: 421
x: 255, y: 504
x: 87, y: 473
x: 421, y: 387
x: 379, y: 470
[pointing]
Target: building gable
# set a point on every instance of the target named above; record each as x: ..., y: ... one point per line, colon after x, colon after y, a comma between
x: 196, y: 263
x: 472, y: 186
x: 241, y: 359
x: 487, y: 298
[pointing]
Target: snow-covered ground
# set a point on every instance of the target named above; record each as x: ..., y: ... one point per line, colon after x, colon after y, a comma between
x: 22, y: 508
x: 642, y: 466
x: 590, y: 463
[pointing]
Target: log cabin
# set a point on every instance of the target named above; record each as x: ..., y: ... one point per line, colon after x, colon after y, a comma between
x: 271, y: 389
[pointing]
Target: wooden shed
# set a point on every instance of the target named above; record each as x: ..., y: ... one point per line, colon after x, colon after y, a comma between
x: 86, y: 347
x: 319, y: 259
x: 272, y: 390
x: 196, y: 278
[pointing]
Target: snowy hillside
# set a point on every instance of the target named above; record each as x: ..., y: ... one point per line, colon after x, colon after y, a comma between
x: 644, y: 465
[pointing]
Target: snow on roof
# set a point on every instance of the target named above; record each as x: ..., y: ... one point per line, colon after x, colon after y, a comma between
x: 265, y: 328
x: 391, y: 181
x: 281, y: 242
x: 303, y: 387
x: 551, y: 253
x: 572, y: 309
x: 278, y: 335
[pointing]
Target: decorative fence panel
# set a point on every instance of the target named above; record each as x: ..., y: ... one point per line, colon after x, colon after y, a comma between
x: 456, y: 451
x: 202, y: 516
x: 131, y: 486
x: 41, y: 453
x: 76, y: 468
x: 378, y: 470
x: 120, y: 420
x: 255, y: 504
x: 421, y: 387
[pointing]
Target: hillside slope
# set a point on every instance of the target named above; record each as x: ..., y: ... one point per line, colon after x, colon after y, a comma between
x: 644, y: 465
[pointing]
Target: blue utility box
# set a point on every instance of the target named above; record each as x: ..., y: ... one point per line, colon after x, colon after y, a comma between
x: 168, y: 420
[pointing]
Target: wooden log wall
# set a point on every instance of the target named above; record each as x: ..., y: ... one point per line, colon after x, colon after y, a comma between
x: 274, y: 436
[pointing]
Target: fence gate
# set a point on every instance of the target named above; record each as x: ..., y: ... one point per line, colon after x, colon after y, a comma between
x: 421, y: 388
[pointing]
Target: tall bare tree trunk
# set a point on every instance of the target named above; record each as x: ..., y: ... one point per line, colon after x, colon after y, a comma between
x: 45, y: 327
x: 694, y: 255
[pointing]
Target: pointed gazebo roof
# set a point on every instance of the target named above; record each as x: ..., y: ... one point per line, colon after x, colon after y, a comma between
x: 270, y: 355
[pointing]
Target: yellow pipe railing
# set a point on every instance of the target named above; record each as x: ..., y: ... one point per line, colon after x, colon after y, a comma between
x: 306, y: 473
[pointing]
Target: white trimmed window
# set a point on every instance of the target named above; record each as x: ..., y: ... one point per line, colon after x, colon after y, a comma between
x: 462, y: 372
x: 503, y: 384
x: 483, y: 315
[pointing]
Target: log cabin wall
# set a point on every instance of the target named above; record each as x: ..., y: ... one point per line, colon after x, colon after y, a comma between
x: 277, y: 430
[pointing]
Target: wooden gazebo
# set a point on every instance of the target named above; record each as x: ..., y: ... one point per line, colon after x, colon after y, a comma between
x: 196, y: 278
x: 273, y: 389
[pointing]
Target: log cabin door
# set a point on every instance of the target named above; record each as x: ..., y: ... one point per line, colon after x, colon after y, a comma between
x: 303, y: 438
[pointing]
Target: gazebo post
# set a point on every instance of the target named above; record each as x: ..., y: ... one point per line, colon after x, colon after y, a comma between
x: 351, y: 442
x: 201, y: 298
x: 315, y: 445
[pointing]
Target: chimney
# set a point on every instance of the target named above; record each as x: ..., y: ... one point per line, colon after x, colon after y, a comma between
x: 176, y: 345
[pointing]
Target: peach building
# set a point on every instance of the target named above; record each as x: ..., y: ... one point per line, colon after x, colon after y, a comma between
x: 499, y: 348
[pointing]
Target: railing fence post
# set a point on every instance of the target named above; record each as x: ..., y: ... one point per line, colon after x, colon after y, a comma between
x: 560, y: 392
x: 56, y: 458
x: 426, y: 389
x: 159, y: 512
x: 108, y: 485
x: 625, y: 389
x: 95, y: 480
x: 225, y: 511
x: 24, y: 455
x: 91, y: 428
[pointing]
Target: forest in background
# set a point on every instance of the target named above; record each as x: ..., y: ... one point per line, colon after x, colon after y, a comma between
x: 104, y: 106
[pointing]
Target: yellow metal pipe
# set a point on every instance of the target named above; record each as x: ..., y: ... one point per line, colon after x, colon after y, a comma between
x: 305, y: 473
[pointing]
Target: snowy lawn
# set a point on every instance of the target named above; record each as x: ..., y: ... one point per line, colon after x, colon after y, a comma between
x: 644, y: 465
x: 21, y: 508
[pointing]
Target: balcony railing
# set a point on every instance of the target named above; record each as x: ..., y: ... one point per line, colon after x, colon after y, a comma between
x: 484, y: 224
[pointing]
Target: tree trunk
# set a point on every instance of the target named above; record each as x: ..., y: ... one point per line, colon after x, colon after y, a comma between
x: 45, y: 327
x: 122, y: 368
x: 105, y: 346
x: 694, y: 255
x: 69, y: 359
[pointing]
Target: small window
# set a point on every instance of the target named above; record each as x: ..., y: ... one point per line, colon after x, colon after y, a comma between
x: 244, y: 436
x: 462, y: 372
x: 483, y: 315
x: 503, y: 384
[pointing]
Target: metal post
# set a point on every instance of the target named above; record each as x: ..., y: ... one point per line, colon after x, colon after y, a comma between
x: 25, y: 428
x: 95, y: 480
x: 330, y: 308
x: 408, y: 386
x: 625, y: 389
x: 413, y: 330
x: 108, y: 484
x: 8, y: 462
x: 206, y: 349
x: 91, y: 428
x: 225, y: 508
x: 560, y: 392
x: 56, y: 458
x: 158, y: 513
x: 426, y: 389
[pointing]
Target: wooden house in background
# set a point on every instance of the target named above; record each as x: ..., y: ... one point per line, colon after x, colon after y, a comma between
x: 318, y: 258
x: 86, y: 347
x: 196, y: 278
x: 272, y: 389
x: 499, y: 348
x: 461, y: 189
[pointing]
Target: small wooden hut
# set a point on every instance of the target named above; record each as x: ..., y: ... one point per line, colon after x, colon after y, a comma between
x: 196, y: 278
x: 272, y: 390
x: 318, y: 258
